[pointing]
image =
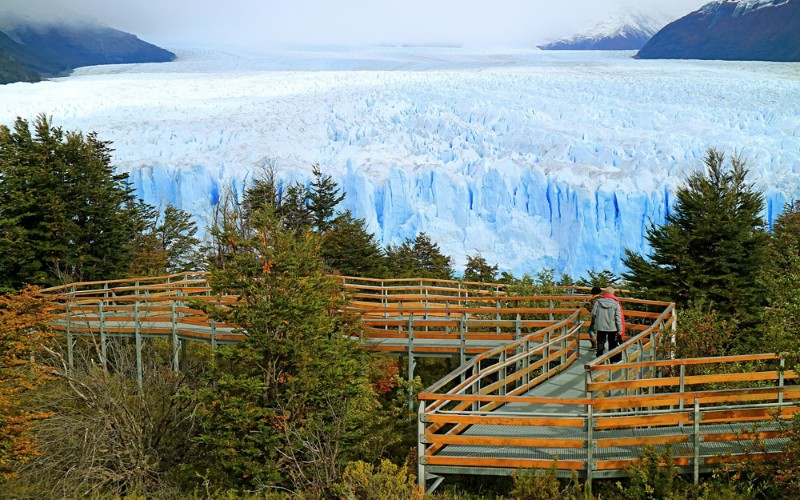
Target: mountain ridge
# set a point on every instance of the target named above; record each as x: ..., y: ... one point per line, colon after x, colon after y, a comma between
x: 31, y: 51
x: 625, y: 30
x: 743, y: 30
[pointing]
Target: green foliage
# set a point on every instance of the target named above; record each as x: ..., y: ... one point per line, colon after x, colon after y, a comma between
x: 778, y: 477
x: 323, y: 197
x: 700, y: 333
x: 534, y: 485
x: 602, y: 279
x: 477, y: 269
x: 653, y: 478
x: 712, y: 245
x: 348, y: 249
x: 388, y: 481
x: 782, y: 278
x: 291, y: 403
x: 419, y: 258
x: 543, y: 283
x: 292, y: 208
x: 165, y: 243
x: 64, y: 214
x: 545, y: 485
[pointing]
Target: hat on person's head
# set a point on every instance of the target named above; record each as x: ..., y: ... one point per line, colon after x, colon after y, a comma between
x: 596, y: 290
x: 609, y: 289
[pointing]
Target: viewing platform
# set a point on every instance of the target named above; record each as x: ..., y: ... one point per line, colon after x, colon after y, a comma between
x: 528, y: 392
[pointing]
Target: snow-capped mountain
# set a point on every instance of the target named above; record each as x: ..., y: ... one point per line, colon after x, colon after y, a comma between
x: 736, y: 30
x: 626, y: 30
x: 533, y: 159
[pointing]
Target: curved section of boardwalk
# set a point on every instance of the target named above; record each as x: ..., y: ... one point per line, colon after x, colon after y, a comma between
x: 527, y: 391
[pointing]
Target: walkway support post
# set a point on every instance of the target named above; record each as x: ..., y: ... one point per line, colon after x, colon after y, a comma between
x: 176, y: 366
x: 103, y: 340
x: 411, y: 362
x: 137, y: 332
x: 70, y: 355
x: 696, y: 441
x: 781, y: 369
x: 462, y: 337
x: 589, y: 446
x: 421, y: 447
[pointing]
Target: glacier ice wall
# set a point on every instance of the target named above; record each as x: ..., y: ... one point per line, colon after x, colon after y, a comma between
x: 533, y: 159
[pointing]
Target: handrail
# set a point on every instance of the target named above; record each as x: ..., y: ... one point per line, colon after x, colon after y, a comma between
x: 515, y: 344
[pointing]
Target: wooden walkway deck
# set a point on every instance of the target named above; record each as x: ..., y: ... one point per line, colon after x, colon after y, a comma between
x: 527, y: 391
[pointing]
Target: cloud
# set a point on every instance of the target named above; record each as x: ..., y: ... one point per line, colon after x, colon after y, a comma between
x: 258, y: 22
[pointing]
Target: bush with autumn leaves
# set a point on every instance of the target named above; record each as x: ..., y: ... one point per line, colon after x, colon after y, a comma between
x: 23, y: 331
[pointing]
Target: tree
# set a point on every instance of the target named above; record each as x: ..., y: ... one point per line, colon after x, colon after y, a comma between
x: 781, y: 277
x: 24, y: 327
x: 477, y: 269
x: 419, y: 258
x: 347, y: 248
x: 602, y: 279
x: 64, y: 213
x: 176, y: 236
x: 712, y: 245
x: 323, y: 197
x: 292, y: 208
x: 291, y: 404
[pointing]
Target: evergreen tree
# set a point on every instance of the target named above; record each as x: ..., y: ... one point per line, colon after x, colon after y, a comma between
x: 602, y: 279
x: 64, y: 213
x: 293, y: 208
x: 176, y: 235
x: 712, y: 245
x: 782, y: 279
x: 347, y: 248
x: 262, y: 193
x: 323, y: 197
x: 477, y: 269
x: 419, y: 258
x: 291, y: 404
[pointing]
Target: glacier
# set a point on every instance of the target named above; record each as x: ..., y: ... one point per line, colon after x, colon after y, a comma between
x: 533, y: 159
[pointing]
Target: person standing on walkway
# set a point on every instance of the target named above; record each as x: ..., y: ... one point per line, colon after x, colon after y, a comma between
x: 607, y: 322
x: 589, y: 305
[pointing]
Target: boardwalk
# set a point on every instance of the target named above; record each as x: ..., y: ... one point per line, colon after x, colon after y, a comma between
x: 527, y: 390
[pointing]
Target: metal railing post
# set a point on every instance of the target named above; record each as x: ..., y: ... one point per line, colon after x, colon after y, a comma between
x: 103, y: 339
x: 502, y: 375
x: 546, y: 365
x: 462, y: 337
x: 589, y: 446
x: 137, y: 332
x: 410, y: 359
x: 70, y: 346
x: 497, y: 329
x: 682, y: 372
x: 176, y: 366
x: 697, y: 439
x: 421, y: 447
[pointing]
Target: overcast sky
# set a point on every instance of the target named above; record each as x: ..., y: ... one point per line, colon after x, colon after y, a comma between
x: 261, y: 22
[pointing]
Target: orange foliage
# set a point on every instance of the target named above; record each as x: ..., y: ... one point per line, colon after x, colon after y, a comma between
x: 23, y: 330
x: 385, y: 373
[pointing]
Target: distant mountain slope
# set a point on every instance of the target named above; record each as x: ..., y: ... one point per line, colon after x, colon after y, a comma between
x: 627, y: 30
x: 10, y: 68
x: 743, y: 30
x: 53, y: 50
